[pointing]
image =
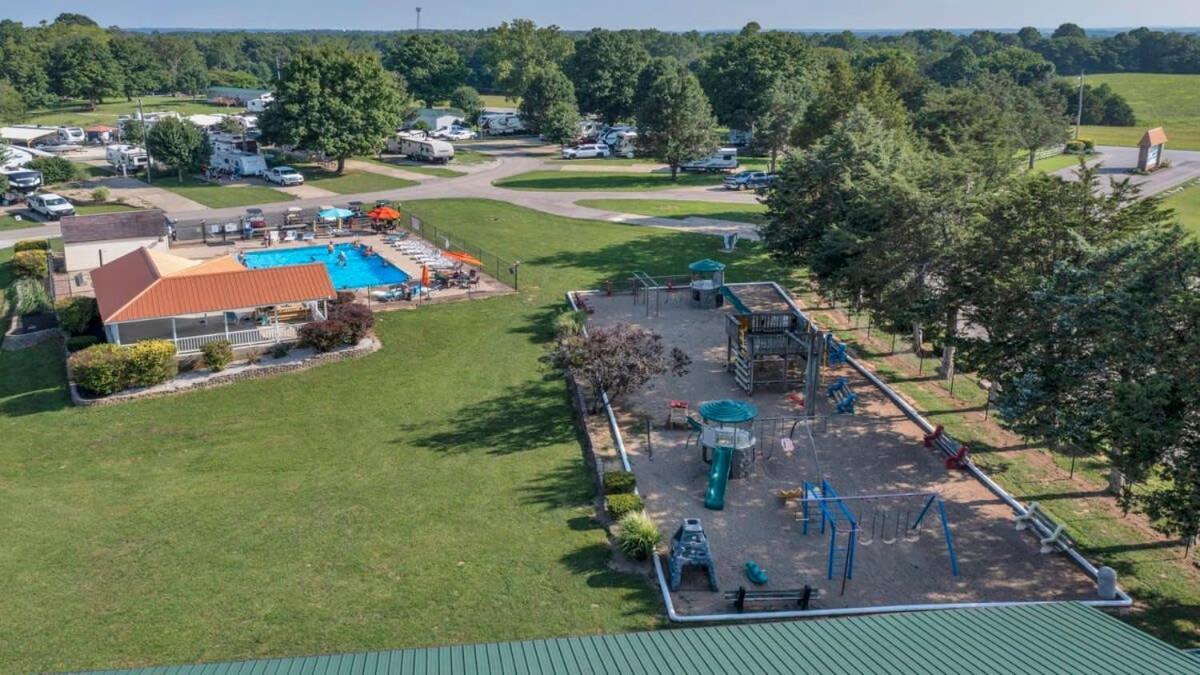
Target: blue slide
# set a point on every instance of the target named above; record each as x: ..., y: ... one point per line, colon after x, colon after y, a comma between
x: 718, y: 478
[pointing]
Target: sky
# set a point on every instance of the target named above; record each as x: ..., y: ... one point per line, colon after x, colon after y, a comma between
x: 572, y: 14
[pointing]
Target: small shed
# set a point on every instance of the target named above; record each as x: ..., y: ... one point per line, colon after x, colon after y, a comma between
x: 92, y: 241
x: 435, y: 118
x: 1150, y: 149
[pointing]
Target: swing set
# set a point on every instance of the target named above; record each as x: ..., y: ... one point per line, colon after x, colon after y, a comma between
x: 847, y: 531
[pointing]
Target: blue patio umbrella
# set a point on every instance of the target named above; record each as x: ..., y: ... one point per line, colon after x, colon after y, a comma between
x: 335, y: 214
x: 728, y: 411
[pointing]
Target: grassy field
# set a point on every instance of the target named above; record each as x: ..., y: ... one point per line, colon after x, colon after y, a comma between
x: 1171, y: 101
x: 427, y: 494
x: 744, y: 163
x: 743, y: 213
x: 220, y: 196
x: 75, y: 113
x: 8, y: 222
x: 415, y: 167
x: 92, y: 209
x: 352, y: 182
x: 591, y: 180
x: 1186, y: 203
x: 1052, y: 164
x: 498, y: 101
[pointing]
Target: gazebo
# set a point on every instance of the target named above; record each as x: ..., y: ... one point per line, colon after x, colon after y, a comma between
x: 728, y: 424
x: 708, y: 277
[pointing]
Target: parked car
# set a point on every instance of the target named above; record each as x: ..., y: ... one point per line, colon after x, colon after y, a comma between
x: 586, y: 150
x: 455, y: 133
x: 749, y: 180
x: 50, y: 205
x: 284, y: 175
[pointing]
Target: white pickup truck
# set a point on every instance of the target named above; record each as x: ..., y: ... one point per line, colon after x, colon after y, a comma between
x: 50, y: 205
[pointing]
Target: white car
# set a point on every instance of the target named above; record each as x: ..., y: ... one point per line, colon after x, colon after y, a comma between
x: 284, y: 175
x: 585, y: 151
x: 50, y: 205
x: 455, y: 133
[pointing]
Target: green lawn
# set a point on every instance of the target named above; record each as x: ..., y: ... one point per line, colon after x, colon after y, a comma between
x: 415, y: 167
x: 76, y: 113
x: 352, y: 182
x: 744, y: 163
x: 592, y: 180
x: 744, y: 213
x: 1186, y: 203
x: 92, y: 209
x: 498, y: 101
x: 11, y: 223
x: 220, y: 196
x: 1170, y: 101
x: 1052, y: 164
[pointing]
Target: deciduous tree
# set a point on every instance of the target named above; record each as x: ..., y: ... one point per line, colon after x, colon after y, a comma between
x: 605, y: 69
x: 548, y: 87
x: 675, y: 121
x: 431, y: 68
x: 177, y: 143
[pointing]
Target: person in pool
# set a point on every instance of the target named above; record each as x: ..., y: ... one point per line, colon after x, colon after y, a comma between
x: 341, y: 259
x: 329, y: 247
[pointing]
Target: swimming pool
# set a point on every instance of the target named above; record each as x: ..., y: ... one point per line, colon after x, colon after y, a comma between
x: 359, y: 270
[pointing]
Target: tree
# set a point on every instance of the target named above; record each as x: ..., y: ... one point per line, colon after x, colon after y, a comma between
x: 12, y: 105
x: 605, y: 69
x: 547, y: 87
x: 233, y: 78
x: 140, y: 71
x: 431, y: 67
x: 788, y: 102
x: 1068, y: 30
x: 469, y: 101
x: 675, y: 122
x: 177, y: 143
x: 335, y: 102
x: 617, y: 360
x: 560, y: 123
x: 741, y: 73
x: 516, y: 49
x: 84, y: 68
x: 183, y: 65
x: 958, y: 67
x: 133, y: 131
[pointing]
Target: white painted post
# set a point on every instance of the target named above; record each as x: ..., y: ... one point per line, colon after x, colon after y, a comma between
x: 276, y: 325
x: 174, y: 334
x: 225, y: 321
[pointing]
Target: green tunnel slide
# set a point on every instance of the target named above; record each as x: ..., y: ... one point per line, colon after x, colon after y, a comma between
x: 718, y: 479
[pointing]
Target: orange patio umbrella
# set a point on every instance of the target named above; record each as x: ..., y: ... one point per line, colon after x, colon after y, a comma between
x: 464, y: 257
x: 425, y: 276
x: 384, y: 213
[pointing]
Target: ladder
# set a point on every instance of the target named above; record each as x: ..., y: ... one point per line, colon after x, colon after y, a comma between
x: 742, y: 370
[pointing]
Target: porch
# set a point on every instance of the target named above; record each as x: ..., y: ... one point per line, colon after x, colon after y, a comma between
x: 250, y: 327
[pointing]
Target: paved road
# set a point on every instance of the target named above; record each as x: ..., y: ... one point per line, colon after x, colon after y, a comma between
x: 1117, y: 164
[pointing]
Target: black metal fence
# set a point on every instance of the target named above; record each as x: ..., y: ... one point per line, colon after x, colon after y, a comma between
x: 502, y: 269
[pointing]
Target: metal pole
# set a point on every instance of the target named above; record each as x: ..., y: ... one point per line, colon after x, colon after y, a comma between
x: 1079, y: 110
x: 146, y: 140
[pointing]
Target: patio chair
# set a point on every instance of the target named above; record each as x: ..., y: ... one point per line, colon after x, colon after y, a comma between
x: 290, y: 235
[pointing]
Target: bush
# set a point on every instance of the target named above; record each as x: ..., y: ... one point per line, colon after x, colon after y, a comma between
x: 78, y: 342
x: 324, y: 335
x: 101, y: 194
x: 30, y: 264
x: 639, y: 536
x: 217, y: 354
x: 31, y: 245
x: 618, y: 482
x: 1073, y: 147
x: 344, y: 298
x: 99, y: 370
x: 619, y: 505
x: 77, y: 314
x: 150, y: 362
x: 30, y: 297
x: 280, y: 350
x: 569, y: 323
x: 56, y: 170
x: 1088, y: 144
x: 359, y: 320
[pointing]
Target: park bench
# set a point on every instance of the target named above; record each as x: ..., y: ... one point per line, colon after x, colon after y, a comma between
x: 799, y: 596
x: 956, y: 453
x: 843, y: 398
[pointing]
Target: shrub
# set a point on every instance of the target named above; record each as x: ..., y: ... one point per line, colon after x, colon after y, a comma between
x: 569, y: 323
x: 618, y: 482
x: 78, y: 342
x: 1087, y: 144
x: 150, y: 362
x: 56, y: 169
x: 639, y: 536
x: 359, y: 320
x: 30, y: 297
x: 101, y: 194
x: 619, y: 505
x: 280, y: 350
x: 30, y: 264
x: 31, y: 245
x: 324, y: 335
x: 1074, y: 147
x: 77, y: 314
x: 217, y: 354
x: 99, y: 369
x: 344, y: 297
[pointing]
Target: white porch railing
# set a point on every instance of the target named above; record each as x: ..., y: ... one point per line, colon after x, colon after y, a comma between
x: 259, y: 335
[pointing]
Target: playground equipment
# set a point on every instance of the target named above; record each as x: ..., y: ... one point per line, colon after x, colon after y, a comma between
x: 772, y: 348
x: 757, y: 575
x: 956, y: 453
x: 842, y: 524
x: 729, y: 424
x: 708, y: 278
x: 836, y: 350
x: 718, y: 479
x: 689, y: 546
x: 843, y: 398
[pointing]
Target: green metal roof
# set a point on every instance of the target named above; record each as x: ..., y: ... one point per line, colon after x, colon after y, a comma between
x: 706, y: 265
x: 1051, y: 638
x: 728, y: 410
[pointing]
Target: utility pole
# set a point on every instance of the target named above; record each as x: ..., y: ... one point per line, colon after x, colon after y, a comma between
x: 146, y: 140
x: 1079, y: 109
x: 418, y: 19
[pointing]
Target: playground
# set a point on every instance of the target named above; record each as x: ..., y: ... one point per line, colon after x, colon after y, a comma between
x: 790, y: 491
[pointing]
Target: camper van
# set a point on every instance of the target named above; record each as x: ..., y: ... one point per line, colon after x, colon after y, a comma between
x: 722, y: 159
x: 126, y: 158
x: 501, y: 124
x: 421, y: 148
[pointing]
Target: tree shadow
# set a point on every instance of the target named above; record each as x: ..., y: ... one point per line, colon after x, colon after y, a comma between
x: 525, y: 417
x: 32, y: 380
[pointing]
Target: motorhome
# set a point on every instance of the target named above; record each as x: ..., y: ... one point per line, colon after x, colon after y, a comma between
x: 421, y: 148
x: 261, y: 103
x: 237, y: 156
x: 22, y: 184
x: 502, y: 124
x: 722, y: 159
x: 126, y: 158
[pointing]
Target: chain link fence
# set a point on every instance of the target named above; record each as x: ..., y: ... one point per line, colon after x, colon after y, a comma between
x: 501, y: 269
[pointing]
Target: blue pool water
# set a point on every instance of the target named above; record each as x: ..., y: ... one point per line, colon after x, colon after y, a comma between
x: 359, y: 271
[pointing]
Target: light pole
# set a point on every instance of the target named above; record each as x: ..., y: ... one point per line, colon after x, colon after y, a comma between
x: 1079, y: 108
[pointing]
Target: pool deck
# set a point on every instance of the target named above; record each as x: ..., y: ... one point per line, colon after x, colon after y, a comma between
x: 878, y: 450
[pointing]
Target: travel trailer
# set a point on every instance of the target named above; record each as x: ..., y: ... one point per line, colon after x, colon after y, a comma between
x: 722, y: 159
x: 22, y: 184
x: 72, y: 135
x: 421, y: 148
x: 501, y: 124
x: 261, y: 103
x: 126, y: 158
x: 624, y: 144
x: 236, y: 156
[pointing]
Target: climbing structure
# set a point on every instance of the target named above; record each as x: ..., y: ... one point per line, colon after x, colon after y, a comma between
x: 689, y: 546
x: 772, y: 348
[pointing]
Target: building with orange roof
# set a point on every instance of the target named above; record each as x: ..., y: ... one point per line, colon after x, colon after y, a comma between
x: 150, y: 294
x: 1150, y: 149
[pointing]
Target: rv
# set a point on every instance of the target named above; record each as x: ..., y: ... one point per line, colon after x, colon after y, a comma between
x: 501, y: 124
x: 261, y: 103
x: 610, y: 135
x: 421, y: 148
x: 126, y: 158
x: 722, y: 159
x: 624, y: 144
x: 22, y: 184
x: 70, y: 135
x: 237, y: 156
